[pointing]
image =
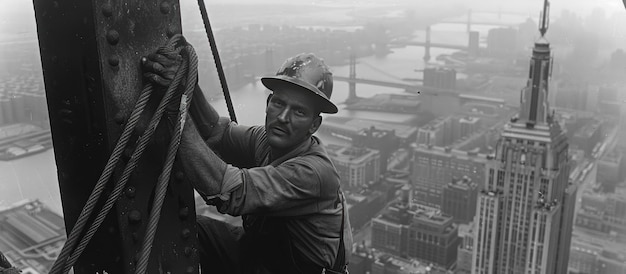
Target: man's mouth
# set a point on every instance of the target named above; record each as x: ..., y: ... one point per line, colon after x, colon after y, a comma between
x: 279, y: 130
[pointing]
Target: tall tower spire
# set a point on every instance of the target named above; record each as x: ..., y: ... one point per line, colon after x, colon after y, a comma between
x: 525, y: 209
x: 534, y: 107
x: 545, y: 18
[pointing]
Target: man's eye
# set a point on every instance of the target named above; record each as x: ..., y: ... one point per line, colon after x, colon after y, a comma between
x: 277, y: 103
x: 300, y: 112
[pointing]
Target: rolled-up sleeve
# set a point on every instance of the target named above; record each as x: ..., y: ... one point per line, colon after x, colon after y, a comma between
x: 291, y: 188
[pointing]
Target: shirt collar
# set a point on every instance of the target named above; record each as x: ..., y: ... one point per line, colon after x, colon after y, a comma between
x: 302, y: 147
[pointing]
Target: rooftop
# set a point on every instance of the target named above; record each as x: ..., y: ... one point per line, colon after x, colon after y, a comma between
x: 350, y: 153
x: 465, y: 184
x: 447, y: 151
x: 358, y: 125
x: 389, y: 102
x: 31, y: 236
x: 587, y: 130
x: 469, y: 119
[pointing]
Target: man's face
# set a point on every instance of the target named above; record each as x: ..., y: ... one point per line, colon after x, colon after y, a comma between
x: 290, y: 118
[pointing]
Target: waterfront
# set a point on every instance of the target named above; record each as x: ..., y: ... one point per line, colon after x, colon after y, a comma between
x: 32, y: 177
x: 35, y: 177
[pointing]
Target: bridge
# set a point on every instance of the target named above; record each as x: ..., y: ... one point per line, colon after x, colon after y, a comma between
x: 473, y: 45
x: 407, y: 87
x: 484, y: 23
x: 447, y: 97
x: 435, y: 45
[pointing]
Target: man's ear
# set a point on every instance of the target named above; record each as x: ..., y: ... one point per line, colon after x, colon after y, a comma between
x: 316, y: 124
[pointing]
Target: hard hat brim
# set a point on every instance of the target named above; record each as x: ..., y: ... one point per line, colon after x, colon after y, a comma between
x: 278, y: 81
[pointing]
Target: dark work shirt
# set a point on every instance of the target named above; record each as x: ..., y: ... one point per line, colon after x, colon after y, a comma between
x: 302, y: 187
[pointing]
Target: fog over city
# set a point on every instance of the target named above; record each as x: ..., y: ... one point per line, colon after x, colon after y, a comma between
x: 461, y: 130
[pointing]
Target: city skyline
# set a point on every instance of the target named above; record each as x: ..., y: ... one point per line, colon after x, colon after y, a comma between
x: 487, y: 127
x: 525, y: 208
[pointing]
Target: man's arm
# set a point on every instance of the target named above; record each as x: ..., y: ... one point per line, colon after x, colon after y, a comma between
x: 204, y: 115
x: 201, y: 165
x: 291, y: 188
x: 300, y: 186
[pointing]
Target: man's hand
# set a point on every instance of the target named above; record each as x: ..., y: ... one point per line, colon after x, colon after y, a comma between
x: 160, y: 68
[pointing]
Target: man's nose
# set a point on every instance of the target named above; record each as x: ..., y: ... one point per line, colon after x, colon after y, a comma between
x: 283, y: 116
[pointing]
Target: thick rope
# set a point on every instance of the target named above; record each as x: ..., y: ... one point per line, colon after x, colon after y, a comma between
x: 128, y: 170
x: 113, y: 160
x: 104, y: 178
x: 164, y: 178
x: 218, y: 61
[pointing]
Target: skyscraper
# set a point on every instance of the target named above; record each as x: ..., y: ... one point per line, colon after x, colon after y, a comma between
x: 525, y: 208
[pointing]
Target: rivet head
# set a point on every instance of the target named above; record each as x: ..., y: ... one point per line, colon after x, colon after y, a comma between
x: 65, y: 112
x: 171, y: 31
x: 134, y: 217
x: 191, y: 269
x: 135, y: 237
x: 183, y: 213
x: 113, y: 37
x: 187, y: 251
x: 107, y: 10
x: 165, y: 7
x: 130, y: 192
x: 114, y: 61
x: 185, y: 233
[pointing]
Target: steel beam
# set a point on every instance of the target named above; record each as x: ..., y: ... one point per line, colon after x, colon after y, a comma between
x: 90, y: 52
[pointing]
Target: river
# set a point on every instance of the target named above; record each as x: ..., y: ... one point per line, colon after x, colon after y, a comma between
x: 35, y: 177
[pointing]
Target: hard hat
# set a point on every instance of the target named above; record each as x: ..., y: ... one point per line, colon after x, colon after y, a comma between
x: 305, y: 71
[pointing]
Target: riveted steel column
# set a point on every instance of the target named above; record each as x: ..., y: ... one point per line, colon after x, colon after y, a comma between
x: 90, y: 52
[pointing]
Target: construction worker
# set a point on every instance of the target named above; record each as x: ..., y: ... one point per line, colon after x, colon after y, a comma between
x: 278, y: 177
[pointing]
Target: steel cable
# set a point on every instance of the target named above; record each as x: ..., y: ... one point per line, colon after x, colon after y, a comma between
x: 162, y: 183
x: 218, y: 61
x: 111, y: 164
x: 104, y: 178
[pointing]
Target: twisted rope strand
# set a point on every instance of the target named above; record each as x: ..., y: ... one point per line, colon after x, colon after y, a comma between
x: 104, y: 178
x: 130, y: 166
x: 164, y: 178
x: 62, y: 260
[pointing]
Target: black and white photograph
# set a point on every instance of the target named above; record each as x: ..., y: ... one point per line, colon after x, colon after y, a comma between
x: 313, y: 136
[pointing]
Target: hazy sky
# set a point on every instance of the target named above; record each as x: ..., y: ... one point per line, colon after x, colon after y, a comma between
x: 580, y: 6
x: 17, y: 16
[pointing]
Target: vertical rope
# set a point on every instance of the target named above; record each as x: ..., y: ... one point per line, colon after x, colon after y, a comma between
x: 128, y: 170
x: 218, y: 61
x: 161, y: 188
x: 63, y: 263
x: 104, y: 178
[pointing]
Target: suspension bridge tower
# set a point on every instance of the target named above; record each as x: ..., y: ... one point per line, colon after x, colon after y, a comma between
x: 352, y: 85
x: 427, y: 46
